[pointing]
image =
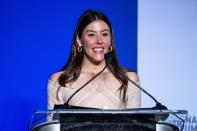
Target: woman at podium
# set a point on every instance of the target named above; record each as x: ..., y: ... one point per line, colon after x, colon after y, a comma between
x: 93, y: 78
x: 88, y: 79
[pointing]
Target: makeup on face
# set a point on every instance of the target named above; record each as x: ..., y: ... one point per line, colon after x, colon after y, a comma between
x: 96, y: 39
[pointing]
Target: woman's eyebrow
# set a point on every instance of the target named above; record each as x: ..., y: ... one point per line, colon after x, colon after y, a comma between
x: 95, y: 31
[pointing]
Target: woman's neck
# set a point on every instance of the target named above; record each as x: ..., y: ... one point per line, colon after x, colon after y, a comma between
x: 90, y: 67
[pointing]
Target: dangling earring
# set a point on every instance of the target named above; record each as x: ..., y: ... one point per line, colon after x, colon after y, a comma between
x: 110, y: 49
x: 79, y: 49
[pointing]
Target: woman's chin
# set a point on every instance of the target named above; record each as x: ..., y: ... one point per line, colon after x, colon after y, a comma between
x: 98, y: 60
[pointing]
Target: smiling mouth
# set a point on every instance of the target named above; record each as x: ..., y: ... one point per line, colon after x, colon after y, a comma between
x: 98, y: 50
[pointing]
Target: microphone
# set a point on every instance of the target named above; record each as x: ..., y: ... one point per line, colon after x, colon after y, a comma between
x: 159, y: 106
x: 67, y: 103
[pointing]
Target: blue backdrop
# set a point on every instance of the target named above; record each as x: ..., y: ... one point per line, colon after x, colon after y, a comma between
x: 35, y: 40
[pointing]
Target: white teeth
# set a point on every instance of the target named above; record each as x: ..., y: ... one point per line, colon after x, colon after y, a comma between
x: 98, y: 49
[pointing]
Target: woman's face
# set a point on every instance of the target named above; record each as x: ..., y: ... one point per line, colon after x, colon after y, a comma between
x: 95, y: 40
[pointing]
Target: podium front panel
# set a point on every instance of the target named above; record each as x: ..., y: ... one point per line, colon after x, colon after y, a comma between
x: 107, y: 120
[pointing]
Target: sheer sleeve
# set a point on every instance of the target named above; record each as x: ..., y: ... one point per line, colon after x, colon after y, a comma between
x: 54, y: 94
x: 134, y: 96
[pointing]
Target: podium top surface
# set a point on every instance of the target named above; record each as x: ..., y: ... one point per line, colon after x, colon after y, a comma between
x: 112, y: 111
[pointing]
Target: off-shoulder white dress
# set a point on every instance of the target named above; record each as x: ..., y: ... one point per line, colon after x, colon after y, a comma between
x: 102, y: 93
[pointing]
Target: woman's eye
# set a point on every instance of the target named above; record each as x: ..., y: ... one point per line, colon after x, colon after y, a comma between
x: 91, y: 35
x: 105, y: 34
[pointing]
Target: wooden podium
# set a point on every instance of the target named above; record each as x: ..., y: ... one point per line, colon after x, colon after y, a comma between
x: 108, y: 120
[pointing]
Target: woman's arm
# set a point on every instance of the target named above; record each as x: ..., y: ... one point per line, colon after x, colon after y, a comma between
x: 54, y: 92
x: 133, y: 92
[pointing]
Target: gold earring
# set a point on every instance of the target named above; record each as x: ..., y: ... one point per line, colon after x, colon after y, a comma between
x: 79, y: 49
x: 110, y: 49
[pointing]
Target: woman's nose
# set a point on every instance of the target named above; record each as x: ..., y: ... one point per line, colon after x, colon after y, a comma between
x: 99, y: 40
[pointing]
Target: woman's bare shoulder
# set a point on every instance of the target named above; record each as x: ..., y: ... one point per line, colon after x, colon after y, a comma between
x: 132, y: 74
x: 55, y: 76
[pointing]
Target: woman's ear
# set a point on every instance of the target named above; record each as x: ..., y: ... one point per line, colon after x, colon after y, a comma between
x: 78, y: 42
